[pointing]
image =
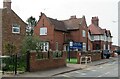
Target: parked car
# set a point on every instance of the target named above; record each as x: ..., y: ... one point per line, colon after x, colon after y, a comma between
x: 106, y: 54
x: 117, y: 51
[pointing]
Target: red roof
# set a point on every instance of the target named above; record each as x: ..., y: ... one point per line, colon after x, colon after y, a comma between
x: 72, y: 24
x: 95, y: 29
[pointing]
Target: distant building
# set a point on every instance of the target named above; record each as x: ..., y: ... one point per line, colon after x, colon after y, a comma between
x: 57, y: 34
x: 115, y: 47
x: 101, y: 38
x: 12, y: 27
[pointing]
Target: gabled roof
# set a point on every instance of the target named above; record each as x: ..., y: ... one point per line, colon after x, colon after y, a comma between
x: 65, y: 25
x: 96, y: 30
x: 72, y: 24
x: 59, y: 25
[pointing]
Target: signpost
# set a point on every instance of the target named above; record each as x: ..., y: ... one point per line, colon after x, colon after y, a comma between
x: 74, y: 45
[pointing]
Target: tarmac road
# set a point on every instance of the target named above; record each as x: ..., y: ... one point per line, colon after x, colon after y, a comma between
x: 109, y: 69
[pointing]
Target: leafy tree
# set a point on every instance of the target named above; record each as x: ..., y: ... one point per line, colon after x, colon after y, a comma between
x: 9, y: 48
x: 31, y: 23
x: 31, y: 43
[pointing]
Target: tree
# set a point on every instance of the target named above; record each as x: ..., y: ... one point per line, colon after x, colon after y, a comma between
x: 31, y: 43
x: 9, y: 48
x: 31, y: 23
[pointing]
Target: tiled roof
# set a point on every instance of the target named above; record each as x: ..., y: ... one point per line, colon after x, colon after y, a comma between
x: 72, y: 24
x: 95, y: 29
x: 64, y: 25
x: 6, y: 0
x: 59, y: 25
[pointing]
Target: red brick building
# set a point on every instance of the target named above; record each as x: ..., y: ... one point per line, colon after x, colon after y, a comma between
x: 57, y: 34
x: 101, y: 38
x: 12, y: 27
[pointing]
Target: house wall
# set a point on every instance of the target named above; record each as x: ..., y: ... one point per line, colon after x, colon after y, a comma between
x: 10, y: 18
x: 59, y: 37
x: 75, y: 35
x: 0, y: 31
x: 90, y: 44
x: 50, y: 31
x: 52, y: 36
x: 84, y: 39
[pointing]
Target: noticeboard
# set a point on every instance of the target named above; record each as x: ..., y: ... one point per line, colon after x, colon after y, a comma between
x: 76, y: 45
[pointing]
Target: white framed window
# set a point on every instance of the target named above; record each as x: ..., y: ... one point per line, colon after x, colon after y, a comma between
x: 83, y: 33
x: 104, y: 47
x: 43, y: 31
x: 102, y: 37
x: 57, y: 45
x: 92, y: 38
x: 15, y: 28
x: 84, y: 46
x: 45, y: 46
x: 89, y: 36
x: 96, y: 37
x: 108, y: 47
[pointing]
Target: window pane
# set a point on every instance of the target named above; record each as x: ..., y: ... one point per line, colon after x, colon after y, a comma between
x: 15, y: 28
x: 43, y: 31
x: 84, y: 46
x: 83, y: 33
x: 56, y: 45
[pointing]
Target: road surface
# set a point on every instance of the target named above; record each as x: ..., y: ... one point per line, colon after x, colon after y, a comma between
x: 109, y: 69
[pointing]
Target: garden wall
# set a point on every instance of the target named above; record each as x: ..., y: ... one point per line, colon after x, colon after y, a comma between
x: 94, y: 56
x: 73, y: 54
x: 48, y: 63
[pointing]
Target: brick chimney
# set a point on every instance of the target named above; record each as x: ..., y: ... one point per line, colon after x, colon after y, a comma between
x: 95, y: 21
x: 7, y: 4
x: 73, y: 17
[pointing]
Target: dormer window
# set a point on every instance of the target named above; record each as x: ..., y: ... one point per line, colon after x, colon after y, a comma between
x: 15, y: 28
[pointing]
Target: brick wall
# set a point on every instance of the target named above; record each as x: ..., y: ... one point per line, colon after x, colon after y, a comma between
x: 59, y: 37
x: 50, y: 31
x: 101, y: 44
x: 44, y: 64
x: 10, y: 18
x: 94, y: 55
x: 73, y: 54
x: 0, y: 31
x: 90, y: 44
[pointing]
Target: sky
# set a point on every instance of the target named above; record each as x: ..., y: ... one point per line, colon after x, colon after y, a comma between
x: 106, y: 10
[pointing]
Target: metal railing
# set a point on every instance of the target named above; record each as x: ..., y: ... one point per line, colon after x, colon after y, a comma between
x: 85, y: 59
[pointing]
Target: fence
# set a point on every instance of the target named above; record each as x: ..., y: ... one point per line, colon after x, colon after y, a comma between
x: 14, y: 63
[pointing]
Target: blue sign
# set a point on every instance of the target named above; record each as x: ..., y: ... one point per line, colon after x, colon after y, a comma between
x: 76, y: 45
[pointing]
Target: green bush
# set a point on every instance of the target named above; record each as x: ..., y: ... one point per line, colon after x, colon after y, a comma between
x: 57, y: 54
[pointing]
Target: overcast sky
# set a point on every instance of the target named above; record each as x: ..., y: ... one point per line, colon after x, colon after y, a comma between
x: 106, y: 10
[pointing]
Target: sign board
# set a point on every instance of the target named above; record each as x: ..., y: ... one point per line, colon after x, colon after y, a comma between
x: 76, y: 45
x: 71, y: 43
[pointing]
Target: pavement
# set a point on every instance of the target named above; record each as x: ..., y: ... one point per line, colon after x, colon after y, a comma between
x: 68, y: 68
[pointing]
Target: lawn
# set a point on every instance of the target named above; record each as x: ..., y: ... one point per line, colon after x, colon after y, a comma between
x: 72, y: 60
